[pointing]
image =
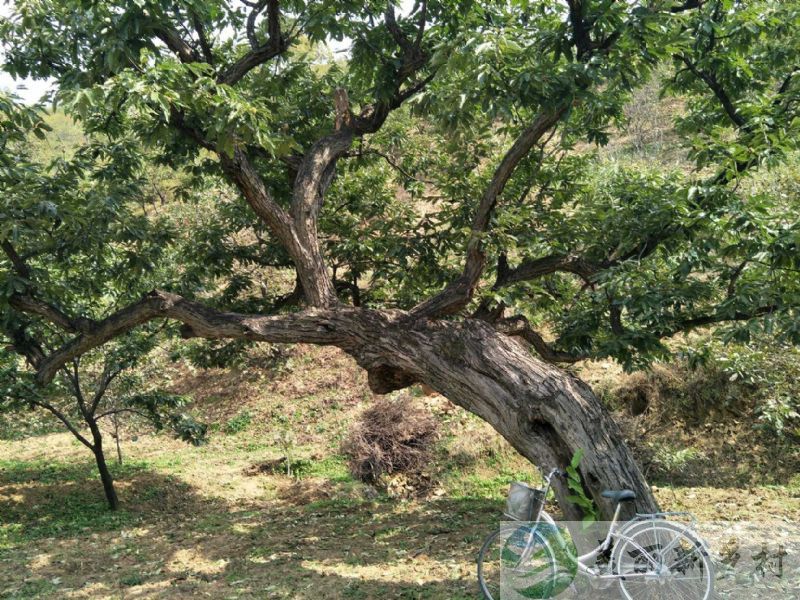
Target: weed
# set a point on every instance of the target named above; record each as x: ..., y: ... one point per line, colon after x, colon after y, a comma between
x: 578, y: 494
x: 667, y: 459
x: 132, y: 580
x: 29, y: 589
x: 238, y: 423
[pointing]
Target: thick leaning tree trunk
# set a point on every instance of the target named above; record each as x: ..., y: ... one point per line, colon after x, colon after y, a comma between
x: 545, y: 413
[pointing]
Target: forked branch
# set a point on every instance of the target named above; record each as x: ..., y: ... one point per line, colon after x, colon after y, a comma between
x: 259, y: 54
x: 459, y: 292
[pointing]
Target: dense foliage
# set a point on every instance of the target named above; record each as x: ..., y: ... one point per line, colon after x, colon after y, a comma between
x: 661, y: 250
x: 59, y: 214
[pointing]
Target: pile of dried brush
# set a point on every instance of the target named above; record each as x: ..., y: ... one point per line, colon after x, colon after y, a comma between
x: 390, y: 437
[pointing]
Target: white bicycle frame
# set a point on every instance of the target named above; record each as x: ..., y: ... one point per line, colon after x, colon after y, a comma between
x: 616, y: 534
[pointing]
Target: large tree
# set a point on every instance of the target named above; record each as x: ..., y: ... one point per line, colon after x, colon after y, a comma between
x: 434, y: 191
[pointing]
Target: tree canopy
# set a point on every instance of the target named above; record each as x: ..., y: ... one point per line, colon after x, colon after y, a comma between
x: 453, y: 145
x: 414, y: 198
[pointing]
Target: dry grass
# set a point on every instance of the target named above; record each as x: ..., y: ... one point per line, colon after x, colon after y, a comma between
x: 194, y: 524
x: 191, y: 535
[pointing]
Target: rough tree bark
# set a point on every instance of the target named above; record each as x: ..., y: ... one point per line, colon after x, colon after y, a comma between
x: 100, y: 458
x: 543, y: 412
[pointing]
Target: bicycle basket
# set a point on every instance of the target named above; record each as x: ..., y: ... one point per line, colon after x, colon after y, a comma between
x: 524, y: 502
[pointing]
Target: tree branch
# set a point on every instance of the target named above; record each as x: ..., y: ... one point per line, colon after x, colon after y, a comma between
x: 19, y: 264
x: 711, y: 81
x: 29, y: 304
x: 615, y: 318
x: 459, y: 292
x: 688, y: 5
x: 390, y: 161
x: 251, y: 23
x: 61, y: 417
x: 116, y: 411
x: 74, y: 379
x: 205, y: 45
x: 787, y: 81
x: 292, y: 298
x: 547, y: 265
x: 177, y: 45
x: 735, y: 274
x: 350, y: 286
x: 275, y: 45
x: 316, y: 170
x: 311, y: 326
x: 296, y: 231
x: 394, y: 30
x: 580, y: 29
x: 26, y: 302
x: 109, y: 374
x: 714, y: 318
x: 244, y: 175
x: 519, y: 326
x: 178, y: 120
x: 421, y: 23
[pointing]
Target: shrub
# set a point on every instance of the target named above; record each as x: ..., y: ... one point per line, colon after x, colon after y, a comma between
x: 390, y: 437
x: 238, y: 423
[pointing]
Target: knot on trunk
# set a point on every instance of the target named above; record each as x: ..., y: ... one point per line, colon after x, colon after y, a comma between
x: 384, y: 379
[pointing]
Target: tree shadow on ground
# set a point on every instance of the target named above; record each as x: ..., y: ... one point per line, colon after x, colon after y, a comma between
x: 57, y: 540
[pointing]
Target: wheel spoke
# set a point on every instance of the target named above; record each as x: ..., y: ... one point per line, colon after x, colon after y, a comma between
x: 516, y: 564
x: 662, y: 561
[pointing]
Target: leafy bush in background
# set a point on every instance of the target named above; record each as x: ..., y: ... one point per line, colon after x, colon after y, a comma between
x: 769, y: 373
x: 759, y: 380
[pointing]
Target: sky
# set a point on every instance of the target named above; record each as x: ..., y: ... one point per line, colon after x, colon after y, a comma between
x: 27, y: 89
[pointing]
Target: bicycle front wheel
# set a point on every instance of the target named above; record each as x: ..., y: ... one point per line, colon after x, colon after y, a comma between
x: 659, y: 560
x: 516, y: 563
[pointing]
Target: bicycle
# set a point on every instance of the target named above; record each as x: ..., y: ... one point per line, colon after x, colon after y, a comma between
x: 648, y: 557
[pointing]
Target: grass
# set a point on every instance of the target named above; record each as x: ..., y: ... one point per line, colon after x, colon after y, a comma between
x: 196, y: 522
x: 76, y: 508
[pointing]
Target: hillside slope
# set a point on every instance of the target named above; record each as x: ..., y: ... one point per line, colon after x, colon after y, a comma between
x: 222, y: 521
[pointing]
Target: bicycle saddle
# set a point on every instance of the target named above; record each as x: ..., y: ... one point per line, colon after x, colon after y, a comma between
x: 619, y: 495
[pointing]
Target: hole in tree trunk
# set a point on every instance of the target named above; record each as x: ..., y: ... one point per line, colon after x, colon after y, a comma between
x: 384, y: 379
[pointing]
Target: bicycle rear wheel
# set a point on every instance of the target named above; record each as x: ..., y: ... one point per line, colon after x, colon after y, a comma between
x: 516, y: 563
x: 659, y: 560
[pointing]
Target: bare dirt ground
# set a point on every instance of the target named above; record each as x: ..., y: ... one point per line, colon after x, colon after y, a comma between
x: 211, y: 522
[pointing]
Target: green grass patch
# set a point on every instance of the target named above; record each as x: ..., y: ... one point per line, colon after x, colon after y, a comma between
x: 333, y: 468
x: 65, y: 499
x: 132, y: 580
x: 238, y: 423
x: 475, y: 486
x: 30, y: 589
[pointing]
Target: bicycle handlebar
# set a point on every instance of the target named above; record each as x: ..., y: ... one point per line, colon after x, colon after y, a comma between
x: 556, y: 472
